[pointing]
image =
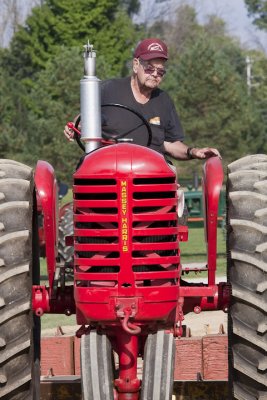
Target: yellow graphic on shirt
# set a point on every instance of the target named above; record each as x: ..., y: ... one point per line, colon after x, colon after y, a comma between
x: 155, y: 121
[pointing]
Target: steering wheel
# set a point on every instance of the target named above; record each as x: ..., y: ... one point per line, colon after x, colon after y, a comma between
x: 116, y: 138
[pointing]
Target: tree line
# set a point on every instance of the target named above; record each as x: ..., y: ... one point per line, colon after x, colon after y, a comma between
x: 41, y: 69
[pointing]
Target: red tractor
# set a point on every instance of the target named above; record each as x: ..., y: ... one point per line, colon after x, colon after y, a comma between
x: 126, y: 288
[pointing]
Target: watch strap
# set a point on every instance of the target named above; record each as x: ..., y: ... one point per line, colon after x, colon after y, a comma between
x: 189, y: 153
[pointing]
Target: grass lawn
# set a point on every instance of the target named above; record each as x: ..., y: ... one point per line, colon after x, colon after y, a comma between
x: 192, y: 251
x: 195, y: 249
x: 68, y: 198
x: 54, y: 320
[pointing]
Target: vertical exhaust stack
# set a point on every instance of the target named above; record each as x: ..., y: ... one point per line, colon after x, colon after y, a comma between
x: 90, y: 102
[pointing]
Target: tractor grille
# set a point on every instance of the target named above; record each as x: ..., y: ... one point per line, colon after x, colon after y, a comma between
x: 96, y: 235
x: 125, y: 233
x: 155, y: 231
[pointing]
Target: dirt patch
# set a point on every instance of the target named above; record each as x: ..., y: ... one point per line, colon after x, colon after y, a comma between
x: 207, y: 322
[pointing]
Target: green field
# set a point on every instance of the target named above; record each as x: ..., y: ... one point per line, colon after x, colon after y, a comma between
x: 195, y: 249
x: 192, y: 251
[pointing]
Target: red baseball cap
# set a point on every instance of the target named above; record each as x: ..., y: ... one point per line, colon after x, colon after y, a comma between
x: 151, y: 48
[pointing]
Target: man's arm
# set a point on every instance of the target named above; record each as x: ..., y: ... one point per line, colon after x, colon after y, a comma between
x: 179, y: 151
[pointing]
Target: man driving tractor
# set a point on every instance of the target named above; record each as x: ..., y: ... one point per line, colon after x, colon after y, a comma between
x: 141, y: 92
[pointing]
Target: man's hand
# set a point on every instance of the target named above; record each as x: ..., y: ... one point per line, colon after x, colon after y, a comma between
x: 179, y: 151
x: 69, y: 133
x: 204, y: 153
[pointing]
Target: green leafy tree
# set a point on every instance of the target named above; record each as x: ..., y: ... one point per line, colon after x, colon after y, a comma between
x: 211, y: 98
x: 35, y: 109
x: 71, y: 23
x: 258, y: 9
x: 177, y: 33
x: 206, y: 79
x: 131, y: 6
x: 53, y: 101
x: 13, y: 121
x: 230, y: 47
x: 258, y: 88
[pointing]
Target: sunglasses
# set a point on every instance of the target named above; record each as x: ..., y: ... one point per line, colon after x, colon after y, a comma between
x: 149, y: 69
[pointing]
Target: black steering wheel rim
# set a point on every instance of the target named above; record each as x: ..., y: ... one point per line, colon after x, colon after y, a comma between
x: 122, y: 135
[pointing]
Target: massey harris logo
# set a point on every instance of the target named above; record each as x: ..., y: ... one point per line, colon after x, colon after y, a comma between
x: 124, y: 218
x: 155, y: 47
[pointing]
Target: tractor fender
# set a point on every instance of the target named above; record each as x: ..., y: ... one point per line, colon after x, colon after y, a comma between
x: 47, y: 198
x: 211, y: 183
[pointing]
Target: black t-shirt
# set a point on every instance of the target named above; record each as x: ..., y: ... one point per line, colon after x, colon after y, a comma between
x: 159, y: 111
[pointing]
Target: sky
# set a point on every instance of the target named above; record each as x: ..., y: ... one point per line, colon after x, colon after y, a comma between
x: 234, y: 12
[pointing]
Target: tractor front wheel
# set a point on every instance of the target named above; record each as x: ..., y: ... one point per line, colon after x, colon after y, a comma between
x: 247, y: 274
x: 19, y: 269
x: 158, y: 367
x: 96, y: 367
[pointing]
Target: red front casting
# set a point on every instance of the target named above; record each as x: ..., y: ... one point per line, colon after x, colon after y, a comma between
x: 126, y: 237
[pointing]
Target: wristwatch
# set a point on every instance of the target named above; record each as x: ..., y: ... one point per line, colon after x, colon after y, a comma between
x: 189, y: 153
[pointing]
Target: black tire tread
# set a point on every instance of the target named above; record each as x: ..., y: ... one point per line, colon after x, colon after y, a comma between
x: 96, y: 367
x: 247, y: 273
x: 158, y: 367
x: 246, y: 162
x: 16, y: 194
x: 261, y: 187
x: 245, y: 179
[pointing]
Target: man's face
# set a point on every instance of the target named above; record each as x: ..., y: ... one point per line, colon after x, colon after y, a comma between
x: 149, y: 73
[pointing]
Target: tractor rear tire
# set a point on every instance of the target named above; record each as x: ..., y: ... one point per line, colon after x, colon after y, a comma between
x: 65, y: 229
x: 19, y: 329
x: 247, y: 274
x: 158, y: 367
x: 96, y: 367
